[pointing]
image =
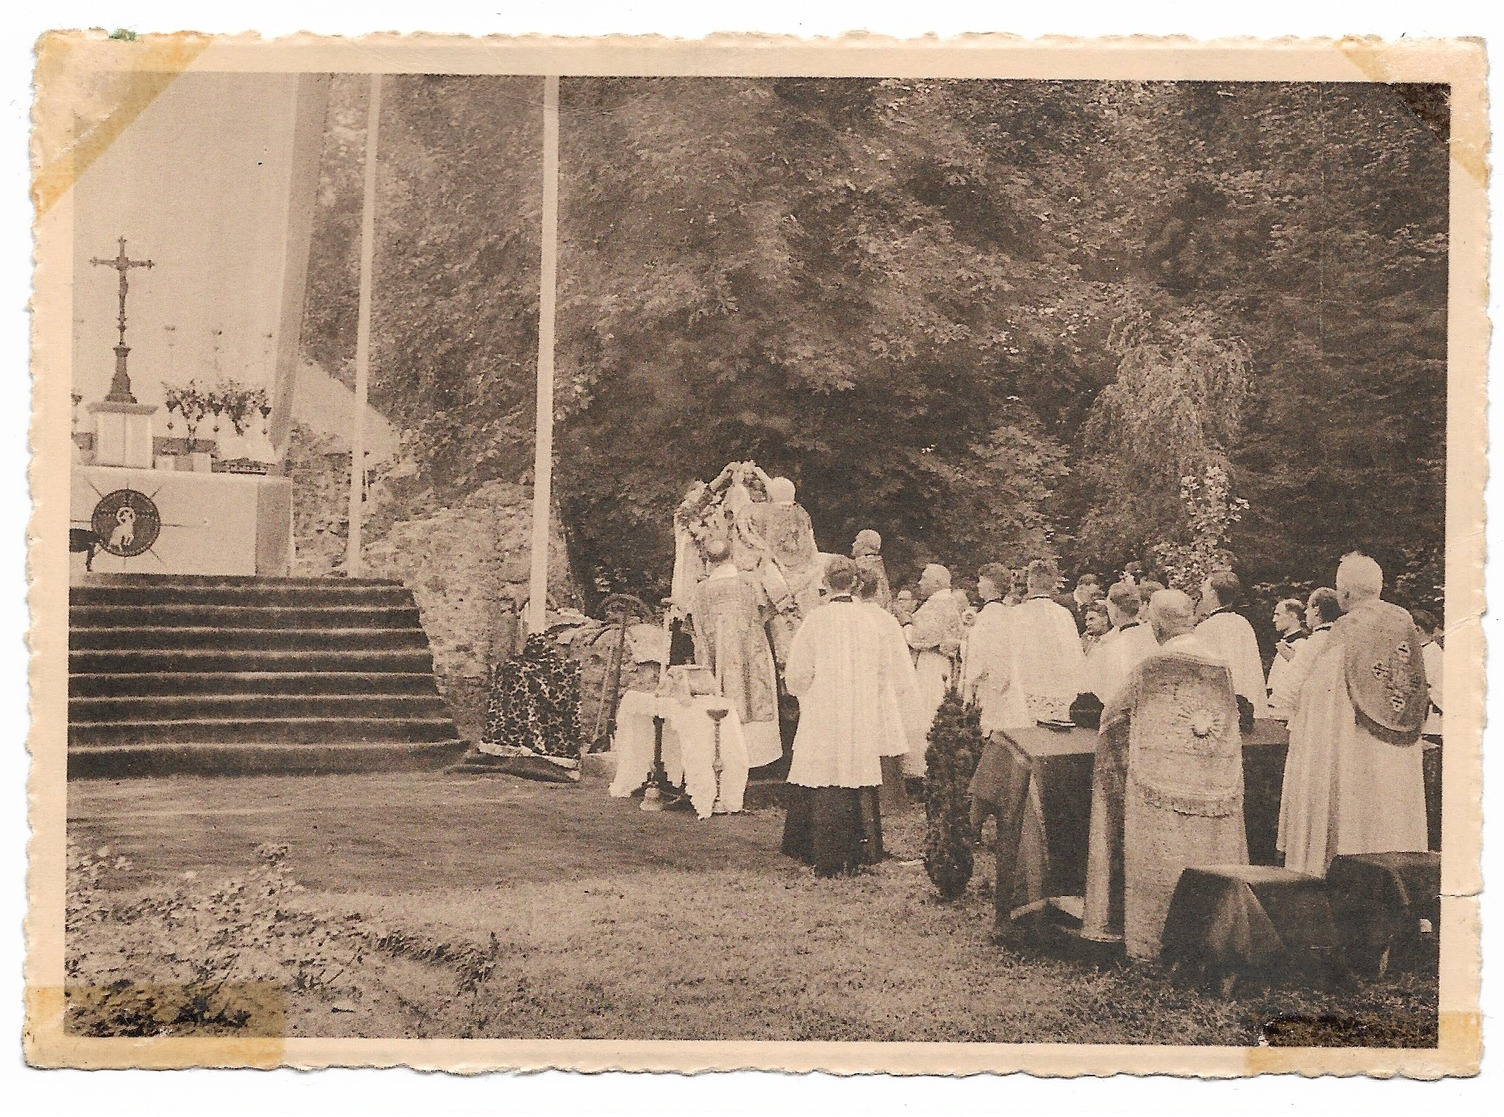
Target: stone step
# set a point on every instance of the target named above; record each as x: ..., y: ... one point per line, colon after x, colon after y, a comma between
x: 328, y: 640
x: 253, y: 581
x: 190, y: 660
x: 220, y: 758
x: 281, y: 731
x: 219, y: 683
x: 271, y: 592
x: 243, y: 616
x: 216, y: 707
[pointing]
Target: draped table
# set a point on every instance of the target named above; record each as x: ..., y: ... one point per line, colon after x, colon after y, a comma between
x: 1047, y: 773
x: 688, y: 748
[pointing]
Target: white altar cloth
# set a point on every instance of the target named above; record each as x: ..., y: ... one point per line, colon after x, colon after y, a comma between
x: 688, y: 748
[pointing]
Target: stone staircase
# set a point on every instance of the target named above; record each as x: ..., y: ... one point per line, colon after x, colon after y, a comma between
x: 220, y: 675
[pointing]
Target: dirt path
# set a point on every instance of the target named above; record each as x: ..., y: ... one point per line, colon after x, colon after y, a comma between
x: 389, y: 834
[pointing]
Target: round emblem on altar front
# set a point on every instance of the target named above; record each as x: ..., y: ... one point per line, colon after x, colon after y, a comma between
x: 127, y: 522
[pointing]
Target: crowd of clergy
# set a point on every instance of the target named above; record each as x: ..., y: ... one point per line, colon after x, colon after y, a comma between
x: 1356, y: 678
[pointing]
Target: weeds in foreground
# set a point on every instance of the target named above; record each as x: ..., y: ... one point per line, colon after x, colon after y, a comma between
x: 194, y: 957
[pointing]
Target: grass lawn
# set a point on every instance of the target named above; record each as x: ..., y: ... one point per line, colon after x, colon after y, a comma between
x: 436, y: 905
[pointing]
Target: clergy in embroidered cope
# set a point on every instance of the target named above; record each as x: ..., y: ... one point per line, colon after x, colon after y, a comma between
x: 1359, y: 786
x: 1167, y: 783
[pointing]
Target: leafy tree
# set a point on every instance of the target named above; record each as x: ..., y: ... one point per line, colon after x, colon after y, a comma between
x: 987, y: 318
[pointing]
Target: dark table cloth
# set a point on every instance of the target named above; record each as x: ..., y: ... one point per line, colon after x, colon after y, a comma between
x: 1049, y: 771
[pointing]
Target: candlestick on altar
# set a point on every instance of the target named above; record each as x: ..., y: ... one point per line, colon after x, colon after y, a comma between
x: 716, y: 715
x: 657, y: 782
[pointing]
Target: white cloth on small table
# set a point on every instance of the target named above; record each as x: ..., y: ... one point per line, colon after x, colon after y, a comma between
x: 688, y: 748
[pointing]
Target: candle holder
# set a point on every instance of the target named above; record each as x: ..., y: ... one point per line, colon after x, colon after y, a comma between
x: 717, y: 714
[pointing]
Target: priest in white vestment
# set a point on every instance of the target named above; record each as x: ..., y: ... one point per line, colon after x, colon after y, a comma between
x: 1359, y: 786
x: 989, y: 674
x: 1047, y: 648
x: 1289, y: 626
x: 1121, y: 650
x: 839, y: 669
x: 1323, y: 608
x: 1231, y: 636
x: 935, y: 636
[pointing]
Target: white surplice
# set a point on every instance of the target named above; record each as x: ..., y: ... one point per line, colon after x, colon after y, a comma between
x: 936, y: 625
x: 1286, y: 686
x: 1115, y: 657
x: 1231, y: 637
x: 902, y: 708
x: 1047, y: 652
x: 838, y: 669
x: 989, y: 672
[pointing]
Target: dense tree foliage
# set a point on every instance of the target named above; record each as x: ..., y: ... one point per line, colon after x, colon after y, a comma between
x: 989, y: 319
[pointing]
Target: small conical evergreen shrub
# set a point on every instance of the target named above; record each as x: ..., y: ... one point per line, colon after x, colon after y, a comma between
x: 955, y: 745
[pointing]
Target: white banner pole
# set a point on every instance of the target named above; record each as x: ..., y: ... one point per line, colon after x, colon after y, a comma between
x: 543, y: 449
x: 353, y: 563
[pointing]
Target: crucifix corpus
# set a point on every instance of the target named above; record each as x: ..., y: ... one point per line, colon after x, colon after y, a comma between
x: 120, y: 386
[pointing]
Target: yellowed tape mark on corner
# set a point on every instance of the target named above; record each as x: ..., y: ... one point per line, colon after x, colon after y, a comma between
x: 1373, y: 59
x: 48, y: 1043
x: 81, y: 110
x: 1458, y: 1051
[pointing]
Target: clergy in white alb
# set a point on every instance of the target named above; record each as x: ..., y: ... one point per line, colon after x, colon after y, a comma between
x: 1360, y: 787
x: 1289, y: 626
x: 1046, y: 648
x: 935, y: 636
x: 1231, y: 636
x: 989, y: 674
x: 1323, y: 608
x: 1120, y: 651
x: 838, y: 668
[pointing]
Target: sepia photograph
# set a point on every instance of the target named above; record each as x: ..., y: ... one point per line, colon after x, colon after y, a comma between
x: 570, y: 556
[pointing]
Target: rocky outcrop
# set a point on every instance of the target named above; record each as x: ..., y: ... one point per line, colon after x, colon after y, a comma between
x: 467, y: 565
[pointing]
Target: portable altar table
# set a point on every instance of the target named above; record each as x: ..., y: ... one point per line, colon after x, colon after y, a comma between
x: 689, y: 748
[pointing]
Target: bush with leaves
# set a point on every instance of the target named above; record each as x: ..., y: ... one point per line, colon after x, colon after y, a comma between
x: 955, y: 745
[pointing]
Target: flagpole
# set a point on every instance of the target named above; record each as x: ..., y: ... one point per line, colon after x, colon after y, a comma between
x: 363, y: 336
x: 543, y: 443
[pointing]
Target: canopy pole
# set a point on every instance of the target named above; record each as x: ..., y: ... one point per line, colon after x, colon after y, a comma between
x: 353, y: 558
x: 543, y: 442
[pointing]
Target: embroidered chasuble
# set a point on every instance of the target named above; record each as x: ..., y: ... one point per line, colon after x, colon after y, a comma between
x: 1354, y: 781
x: 1167, y: 791
x: 730, y: 639
x: 785, y: 530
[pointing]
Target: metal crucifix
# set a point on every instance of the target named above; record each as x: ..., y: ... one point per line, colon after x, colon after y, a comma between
x: 120, y: 386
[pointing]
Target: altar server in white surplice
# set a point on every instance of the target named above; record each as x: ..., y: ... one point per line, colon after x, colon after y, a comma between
x: 838, y: 669
x: 989, y: 674
x: 1359, y: 785
x: 1120, y: 651
x: 1323, y: 608
x: 1047, y: 647
x: 1231, y: 637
